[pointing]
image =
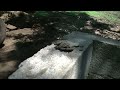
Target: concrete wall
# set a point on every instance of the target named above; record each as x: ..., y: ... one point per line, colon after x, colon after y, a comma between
x: 105, y: 63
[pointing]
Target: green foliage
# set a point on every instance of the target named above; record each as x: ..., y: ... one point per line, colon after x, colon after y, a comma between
x: 75, y: 20
x: 112, y: 17
x: 41, y: 14
x: 107, y: 16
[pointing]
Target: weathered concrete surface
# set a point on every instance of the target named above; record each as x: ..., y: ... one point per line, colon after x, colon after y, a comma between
x: 92, y: 37
x: 2, y: 31
x: 105, y: 63
x: 50, y: 63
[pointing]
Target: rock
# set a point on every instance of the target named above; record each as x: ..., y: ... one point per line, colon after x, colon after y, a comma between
x: 49, y: 63
x: 105, y: 62
x: 2, y: 31
x: 98, y: 31
x: 88, y: 27
x: 65, y: 45
x: 88, y: 23
x: 11, y: 27
x: 92, y: 37
x: 17, y: 13
x: 115, y: 28
x: 7, y: 15
x: 24, y: 31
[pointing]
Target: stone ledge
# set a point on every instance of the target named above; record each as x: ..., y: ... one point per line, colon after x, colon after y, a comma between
x: 50, y: 63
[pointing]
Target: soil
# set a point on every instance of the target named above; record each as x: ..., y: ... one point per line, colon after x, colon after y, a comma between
x: 21, y: 43
x: 11, y: 54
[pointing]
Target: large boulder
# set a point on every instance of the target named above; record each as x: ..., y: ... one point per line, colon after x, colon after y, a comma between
x: 70, y: 58
x: 64, y: 59
x: 2, y: 31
